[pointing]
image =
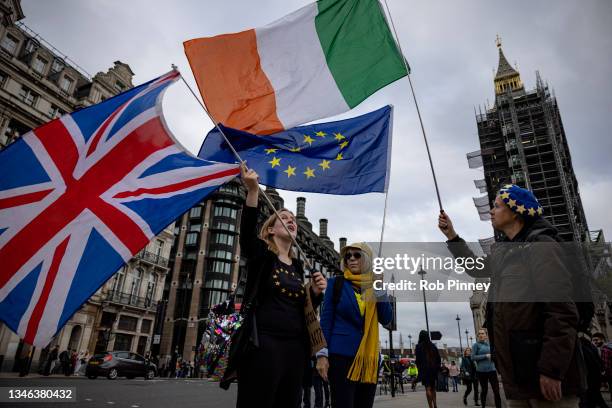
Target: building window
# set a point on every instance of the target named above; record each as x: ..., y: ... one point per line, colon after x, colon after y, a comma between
x: 195, y: 227
x: 55, y: 112
x: 213, y: 297
x: 159, y: 247
x: 31, y: 46
x: 66, y: 83
x: 119, y: 279
x: 195, y: 212
x: 123, y: 342
x: 9, y: 43
x: 127, y: 323
x: 145, y: 326
x: 39, y: 65
x: 224, y: 225
x: 221, y: 267
x: 225, y: 239
x: 3, y: 78
x: 217, y: 253
x: 191, y: 238
x: 217, y: 284
x: 119, y: 86
x: 57, y: 66
x: 27, y: 96
x: 221, y: 211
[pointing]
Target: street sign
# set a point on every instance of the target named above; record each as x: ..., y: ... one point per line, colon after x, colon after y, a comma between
x: 156, y: 338
x: 436, y: 335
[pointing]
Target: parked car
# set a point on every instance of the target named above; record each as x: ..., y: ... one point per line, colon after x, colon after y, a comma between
x: 113, y: 364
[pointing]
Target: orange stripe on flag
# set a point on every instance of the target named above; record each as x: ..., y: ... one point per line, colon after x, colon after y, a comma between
x: 234, y: 87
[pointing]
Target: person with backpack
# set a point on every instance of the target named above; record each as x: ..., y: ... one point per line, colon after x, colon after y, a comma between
x: 349, y: 319
x: 533, y: 339
x: 270, y: 362
x: 428, y: 364
x: 468, y: 373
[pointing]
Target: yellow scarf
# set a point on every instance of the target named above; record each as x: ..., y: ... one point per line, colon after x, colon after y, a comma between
x: 365, y: 364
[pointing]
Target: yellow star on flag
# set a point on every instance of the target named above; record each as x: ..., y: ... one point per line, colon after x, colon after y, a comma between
x: 511, y: 203
x: 339, y: 136
x: 295, y: 149
x: 275, y: 162
x: 290, y: 171
x: 324, y: 164
x: 308, y: 139
x: 320, y: 134
x: 309, y: 172
x: 343, y: 144
x: 520, y: 209
x: 268, y: 151
x: 339, y: 156
x: 540, y: 211
x: 532, y: 212
x: 505, y: 195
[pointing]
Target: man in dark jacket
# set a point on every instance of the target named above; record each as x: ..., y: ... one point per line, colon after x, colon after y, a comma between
x: 530, y: 314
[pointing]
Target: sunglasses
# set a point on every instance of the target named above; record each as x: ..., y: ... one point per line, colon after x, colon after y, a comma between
x: 348, y: 255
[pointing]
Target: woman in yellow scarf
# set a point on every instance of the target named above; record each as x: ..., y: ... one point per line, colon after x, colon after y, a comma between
x: 350, y: 316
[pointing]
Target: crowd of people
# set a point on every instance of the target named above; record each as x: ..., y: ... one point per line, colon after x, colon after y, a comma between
x: 266, y: 355
x: 542, y: 351
x: 67, y: 362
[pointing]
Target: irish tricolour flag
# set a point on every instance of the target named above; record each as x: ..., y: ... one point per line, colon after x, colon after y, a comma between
x: 318, y: 61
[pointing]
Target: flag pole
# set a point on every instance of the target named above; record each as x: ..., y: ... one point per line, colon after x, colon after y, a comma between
x: 267, y: 199
x: 433, y: 173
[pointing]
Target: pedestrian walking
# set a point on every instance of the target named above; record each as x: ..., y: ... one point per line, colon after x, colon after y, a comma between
x: 64, y: 358
x: 531, y: 316
x: 485, y: 369
x: 453, y: 372
x: 428, y: 364
x: 51, y: 360
x: 270, y: 361
x: 443, y: 377
x: 468, y: 374
x: 351, y: 313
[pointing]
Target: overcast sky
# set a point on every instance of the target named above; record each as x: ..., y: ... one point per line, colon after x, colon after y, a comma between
x: 450, y: 46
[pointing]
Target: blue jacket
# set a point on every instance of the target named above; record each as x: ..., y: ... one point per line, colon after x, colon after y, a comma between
x: 479, y: 355
x: 343, y: 325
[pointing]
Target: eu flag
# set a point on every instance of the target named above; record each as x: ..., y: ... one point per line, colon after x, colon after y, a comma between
x: 350, y: 156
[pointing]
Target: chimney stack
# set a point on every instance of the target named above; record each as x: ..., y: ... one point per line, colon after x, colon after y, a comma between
x: 342, y: 243
x: 323, y: 228
x: 301, y: 207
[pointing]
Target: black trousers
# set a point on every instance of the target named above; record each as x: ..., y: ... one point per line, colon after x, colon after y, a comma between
x: 485, y: 379
x: 469, y: 383
x: 271, y: 376
x: 345, y: 393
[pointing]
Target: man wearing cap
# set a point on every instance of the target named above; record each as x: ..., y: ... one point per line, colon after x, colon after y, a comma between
x: 531, y: 318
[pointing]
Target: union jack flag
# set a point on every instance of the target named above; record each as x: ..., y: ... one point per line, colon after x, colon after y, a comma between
x: 82, y: 194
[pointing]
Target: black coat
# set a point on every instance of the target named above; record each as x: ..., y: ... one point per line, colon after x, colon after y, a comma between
x: 259, y: 266
x: 530, y: 337
x: 428, y: 367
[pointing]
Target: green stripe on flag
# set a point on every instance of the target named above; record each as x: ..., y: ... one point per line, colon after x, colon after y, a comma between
x: 360, y: 51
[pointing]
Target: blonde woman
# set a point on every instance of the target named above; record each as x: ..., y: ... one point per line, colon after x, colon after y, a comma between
x: 270, y: 373
x: 349, y: 320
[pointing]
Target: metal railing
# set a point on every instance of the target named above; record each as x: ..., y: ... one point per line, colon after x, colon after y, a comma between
x: 131, y: 300
x: 152, y: 258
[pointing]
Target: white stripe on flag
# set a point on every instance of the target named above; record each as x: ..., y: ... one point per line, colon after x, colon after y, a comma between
x: 292, y: 58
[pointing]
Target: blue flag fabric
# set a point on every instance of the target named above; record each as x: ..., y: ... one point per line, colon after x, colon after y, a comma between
x: 350, y: 156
